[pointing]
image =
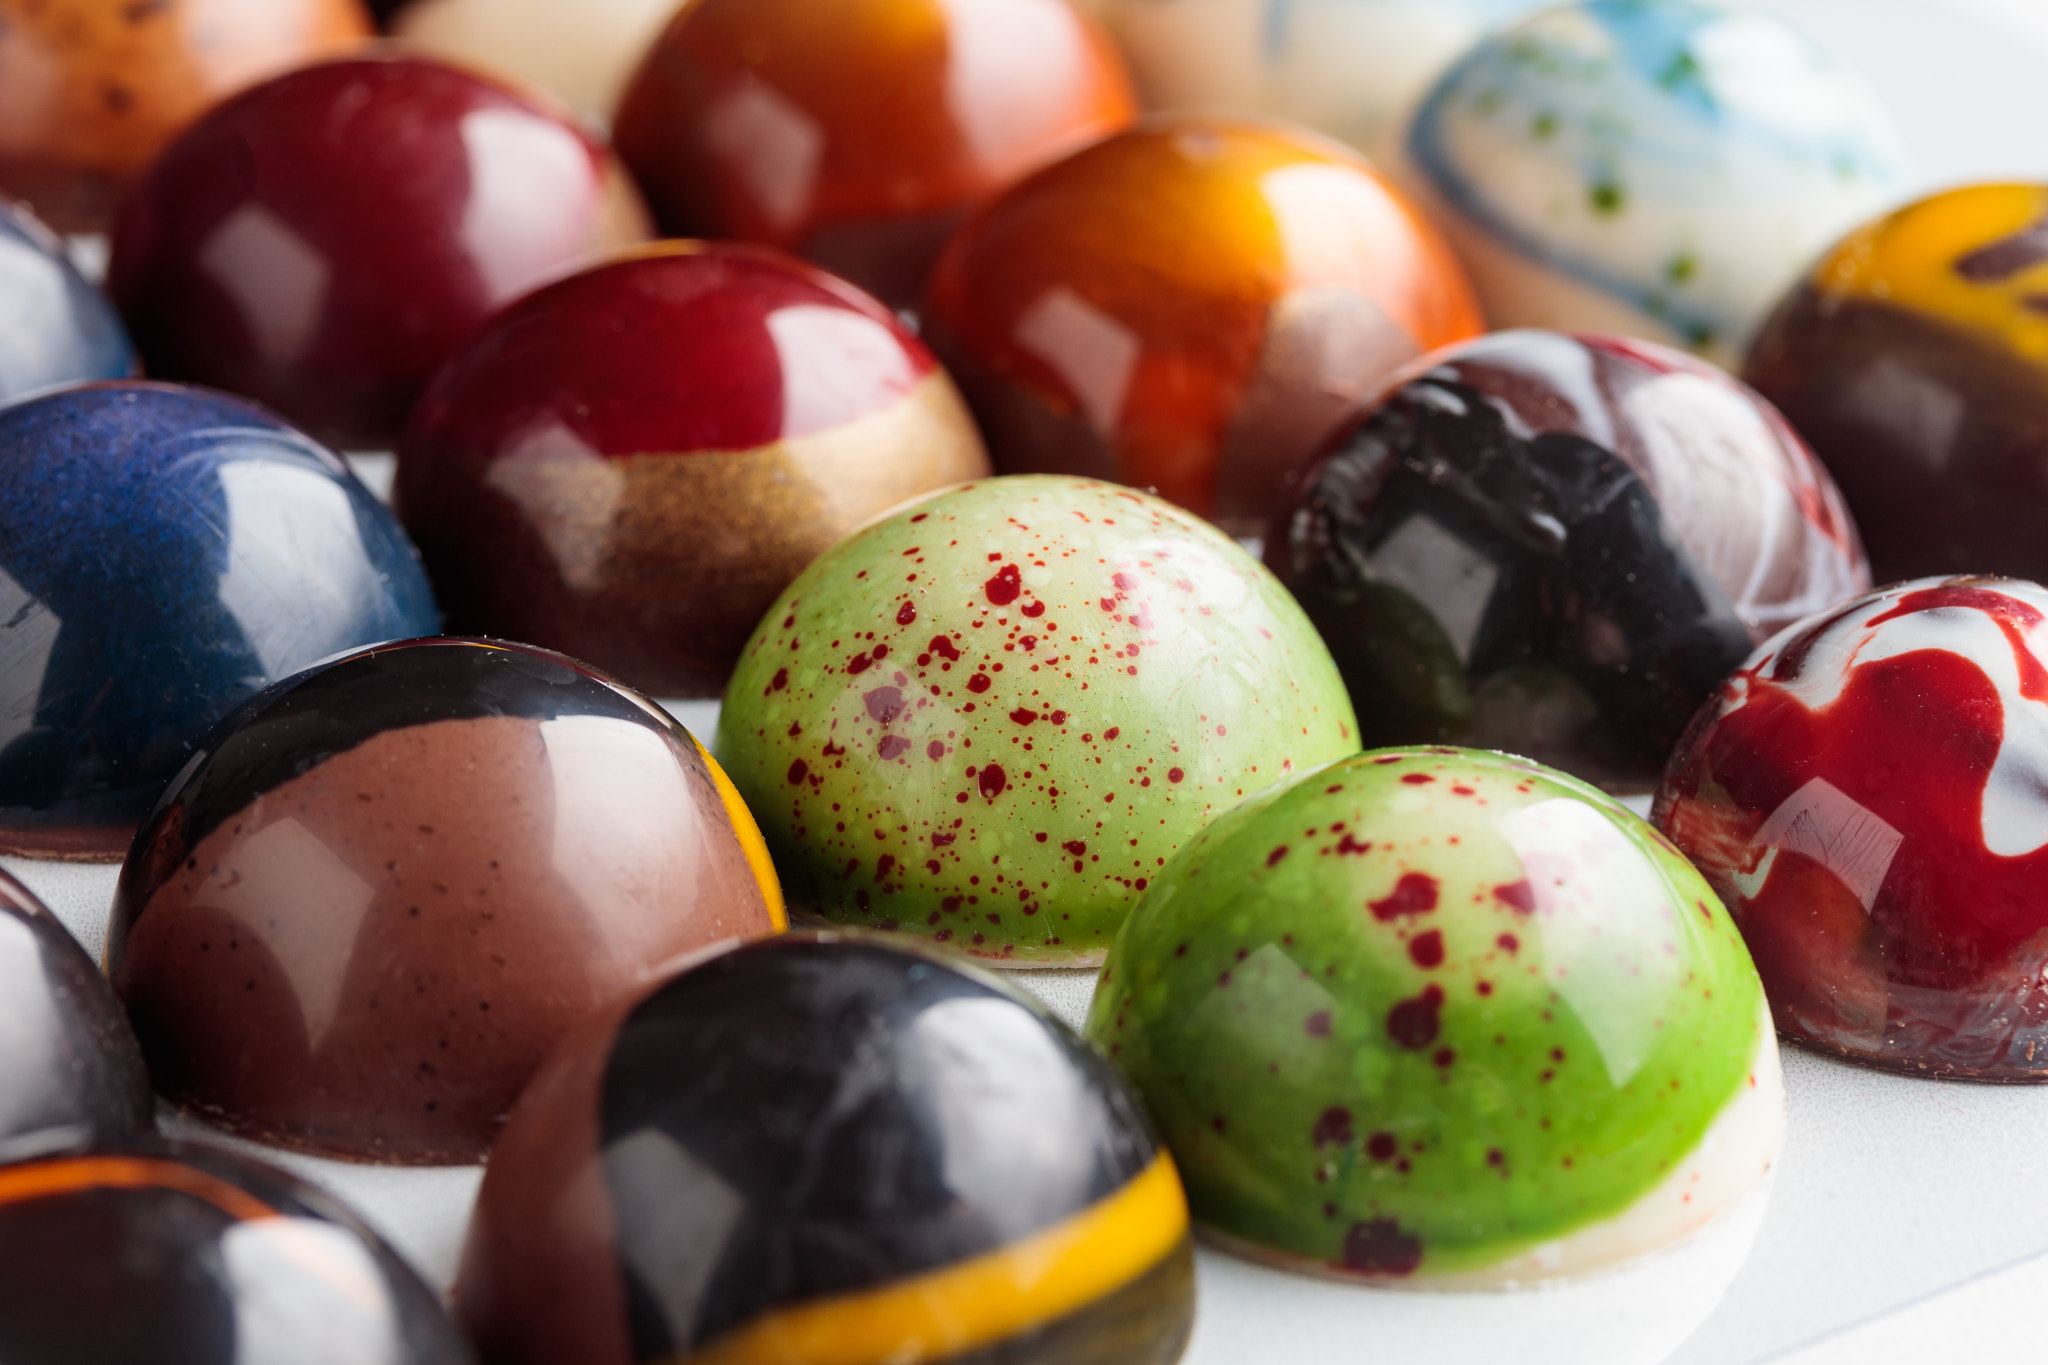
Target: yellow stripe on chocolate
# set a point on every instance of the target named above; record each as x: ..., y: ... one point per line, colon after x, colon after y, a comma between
x: 1910, y: 259
x: 751, y: 842
x: 44, y: 1180
x: 1039, y: 1280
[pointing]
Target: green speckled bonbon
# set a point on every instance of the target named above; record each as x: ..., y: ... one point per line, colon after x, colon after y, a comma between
x: 991, y: 717
x: 1425, y: 1010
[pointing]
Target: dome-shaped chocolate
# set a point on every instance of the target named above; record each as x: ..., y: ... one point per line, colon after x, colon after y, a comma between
x: 359, y: 920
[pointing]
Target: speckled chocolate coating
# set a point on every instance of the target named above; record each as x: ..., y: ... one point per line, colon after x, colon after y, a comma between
x: 1439, y: 1015
x: 826, y: 1147
x: 90, y: 90
x: 1558, y: 546
x: 71, y: 1071
x: 991, y: 717
x: 630, y: 465
x: 389, y: 885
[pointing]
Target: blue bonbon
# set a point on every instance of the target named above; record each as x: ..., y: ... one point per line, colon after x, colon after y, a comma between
x: 164, y: 553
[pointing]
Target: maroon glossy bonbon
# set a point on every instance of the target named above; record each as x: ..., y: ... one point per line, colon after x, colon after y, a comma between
x: 631, y: 464
x: 324, y: 241
x: 1869, y: 795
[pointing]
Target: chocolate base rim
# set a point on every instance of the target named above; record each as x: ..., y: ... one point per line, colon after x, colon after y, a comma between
x: 1092, y: 960
x: 1464, y: 1282
x: 1936, y: 1072
x: 812, y: 915
x: 105, y: 844
x: 265, y: 1135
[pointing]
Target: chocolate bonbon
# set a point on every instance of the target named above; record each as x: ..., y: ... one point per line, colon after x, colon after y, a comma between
x: 581, y: 54
x: 1911, y: 356
x: 389, y: 885
x: 1559, y: 546
x: 630, y: 465
x: 990, y: 717
x: 165, y: 553
x: 54, y: 327
x: 324, y: 241
x: 1445, y: 1018
x: 1657, y: 168
x: 829, y: 1148
x: 72, y: 1072
x: 1865, y: 793
x: 181, y: 1254
x: 859, y: 135
x: 90, y: 92
x: 1351, y: 68
x: 1190, y: 307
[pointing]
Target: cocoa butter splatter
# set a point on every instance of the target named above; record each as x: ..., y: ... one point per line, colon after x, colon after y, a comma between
x: 1414, y: 894
x: 1004, y: 588
x: 1332, y: 1127
x: 1413, y: 1023
x: 884, y: 704
x: 1380, y: 1247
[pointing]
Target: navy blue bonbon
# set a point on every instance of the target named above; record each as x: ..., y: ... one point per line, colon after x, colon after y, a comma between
x: 54, y: 327
x: 165, y: 553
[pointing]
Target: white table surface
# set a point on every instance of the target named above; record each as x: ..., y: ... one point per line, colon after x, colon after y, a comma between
x: 1908, y: 1221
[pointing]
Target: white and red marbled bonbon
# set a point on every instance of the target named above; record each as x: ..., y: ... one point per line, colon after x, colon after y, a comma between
x: 1869, y: 795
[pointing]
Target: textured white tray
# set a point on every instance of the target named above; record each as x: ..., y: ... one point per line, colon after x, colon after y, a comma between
x: 1908, y: 1221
